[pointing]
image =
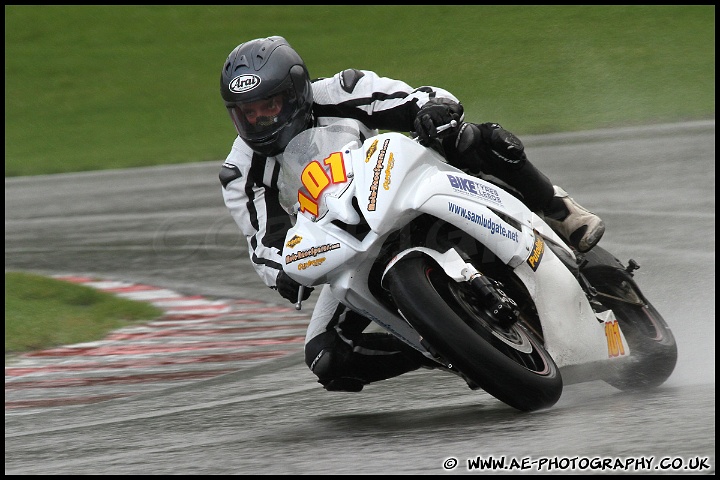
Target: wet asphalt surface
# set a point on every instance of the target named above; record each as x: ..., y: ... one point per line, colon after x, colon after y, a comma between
x: 167, y: 226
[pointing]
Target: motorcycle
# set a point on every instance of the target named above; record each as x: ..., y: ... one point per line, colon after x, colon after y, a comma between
x: 461, y: 270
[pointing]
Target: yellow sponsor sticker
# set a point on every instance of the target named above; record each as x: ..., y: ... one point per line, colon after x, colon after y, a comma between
x: 614, y: 339
x: 293, y: 241
x: 370, y: 151
x: 537, y: 253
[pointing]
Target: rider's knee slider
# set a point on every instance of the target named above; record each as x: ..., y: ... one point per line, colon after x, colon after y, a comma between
x: 326, y: 355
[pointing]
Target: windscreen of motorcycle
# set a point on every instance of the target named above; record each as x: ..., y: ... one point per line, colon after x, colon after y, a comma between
x: 313, y: 167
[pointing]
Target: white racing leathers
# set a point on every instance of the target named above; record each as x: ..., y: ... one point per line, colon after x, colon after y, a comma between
x: 249, y: 181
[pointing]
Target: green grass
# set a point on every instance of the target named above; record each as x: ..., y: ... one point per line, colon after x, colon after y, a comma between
x: 105, y: 87
x: 43, y: 312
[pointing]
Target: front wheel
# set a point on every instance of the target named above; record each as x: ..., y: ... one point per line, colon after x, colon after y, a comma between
x: 509, y: 363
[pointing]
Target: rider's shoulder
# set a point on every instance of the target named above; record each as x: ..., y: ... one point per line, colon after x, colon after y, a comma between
x: 348, y: 82
x: 237, y: 164
x: 240, y: 154
x: 349, y: 78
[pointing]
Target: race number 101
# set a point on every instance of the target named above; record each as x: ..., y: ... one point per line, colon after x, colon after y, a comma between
x: 315, y: 178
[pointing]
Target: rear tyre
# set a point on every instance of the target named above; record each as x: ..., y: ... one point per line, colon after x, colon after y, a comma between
x: 653, y: 346
x: 509, y: 363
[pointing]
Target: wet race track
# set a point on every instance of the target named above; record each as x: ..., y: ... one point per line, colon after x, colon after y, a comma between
x: 218, y: 385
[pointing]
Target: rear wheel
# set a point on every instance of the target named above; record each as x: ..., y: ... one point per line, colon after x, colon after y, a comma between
x: 653, y: 347
x: 509, y: 363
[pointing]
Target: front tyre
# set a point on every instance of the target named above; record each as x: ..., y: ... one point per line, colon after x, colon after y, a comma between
x: 509, y: 363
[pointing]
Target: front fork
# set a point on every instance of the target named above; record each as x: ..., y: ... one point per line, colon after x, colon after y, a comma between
x: 502, y: 308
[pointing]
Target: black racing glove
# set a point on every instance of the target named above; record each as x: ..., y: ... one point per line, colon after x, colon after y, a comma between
x: 289, y: 288
x: 438, y: 112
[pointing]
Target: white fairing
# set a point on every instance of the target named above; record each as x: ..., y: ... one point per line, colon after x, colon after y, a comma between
x: 392, y: 179
x: 572, y: 333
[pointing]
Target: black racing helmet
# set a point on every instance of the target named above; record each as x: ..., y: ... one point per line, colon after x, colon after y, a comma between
x: 267, y: 91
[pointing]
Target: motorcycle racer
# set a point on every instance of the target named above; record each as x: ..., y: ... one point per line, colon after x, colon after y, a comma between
x: 270, y: 98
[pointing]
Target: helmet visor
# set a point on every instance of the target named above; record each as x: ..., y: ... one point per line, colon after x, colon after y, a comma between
x: 260, y: 119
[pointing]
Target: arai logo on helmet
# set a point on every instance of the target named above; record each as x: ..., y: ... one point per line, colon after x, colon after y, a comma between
x: 244, y: 83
